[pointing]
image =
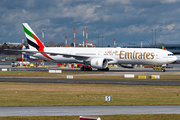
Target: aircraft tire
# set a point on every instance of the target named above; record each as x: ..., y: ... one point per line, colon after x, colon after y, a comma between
x: 85, y: 69
x: 107, y: 69
x: 82, y: 69
x: 163, y: 70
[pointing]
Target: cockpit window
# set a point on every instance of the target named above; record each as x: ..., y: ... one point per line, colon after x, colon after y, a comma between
x: 170, y: 54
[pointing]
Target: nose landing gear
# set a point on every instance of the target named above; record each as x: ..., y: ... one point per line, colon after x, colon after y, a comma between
x: 163, y: 70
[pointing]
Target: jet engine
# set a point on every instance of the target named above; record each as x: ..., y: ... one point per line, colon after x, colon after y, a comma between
x: 128, y: 65
x: 100, y: 63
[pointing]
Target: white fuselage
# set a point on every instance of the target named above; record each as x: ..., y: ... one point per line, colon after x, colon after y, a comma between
x: 149, y: 56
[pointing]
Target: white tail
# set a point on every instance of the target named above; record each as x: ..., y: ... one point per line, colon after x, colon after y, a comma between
x: 32, y: 39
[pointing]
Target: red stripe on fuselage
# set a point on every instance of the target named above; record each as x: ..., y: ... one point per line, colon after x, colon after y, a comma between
x: 41, y: 47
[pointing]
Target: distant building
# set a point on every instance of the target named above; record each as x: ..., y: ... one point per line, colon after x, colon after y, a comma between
x: 15, y: 44
x: 88, y: 45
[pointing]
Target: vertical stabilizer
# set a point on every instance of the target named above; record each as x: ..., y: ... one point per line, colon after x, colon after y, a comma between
x: 34, y: 42
x: 32, y: 39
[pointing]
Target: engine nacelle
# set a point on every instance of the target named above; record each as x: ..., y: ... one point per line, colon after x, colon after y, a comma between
x: 100, y: 63
x: 128, y: 65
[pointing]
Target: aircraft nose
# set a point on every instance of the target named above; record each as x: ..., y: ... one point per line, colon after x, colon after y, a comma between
x: 174, y: 58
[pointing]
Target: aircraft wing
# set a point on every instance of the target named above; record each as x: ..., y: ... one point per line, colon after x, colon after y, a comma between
x: 27, y: 51
x: 78, y: 57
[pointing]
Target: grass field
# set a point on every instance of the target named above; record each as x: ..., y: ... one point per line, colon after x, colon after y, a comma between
x: 51, y: 94
x: 104, y: 117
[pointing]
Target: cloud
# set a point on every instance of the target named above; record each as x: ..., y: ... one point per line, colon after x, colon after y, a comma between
x: 117, y: 2
x: 132, y: 29
x: 51, y: 36
x: 40, y: 23
x: 168, y: 1
x: 109, y: 33
x: 127, y: 20
x: 168, y: 27
x: 59, y: 29
x: 80, y: 13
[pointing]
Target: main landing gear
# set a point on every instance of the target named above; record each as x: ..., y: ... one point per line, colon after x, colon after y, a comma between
x: 84, y: 68
x: 106, y: 69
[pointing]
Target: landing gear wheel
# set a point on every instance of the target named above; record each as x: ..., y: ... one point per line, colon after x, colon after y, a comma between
x: 86, y: 69
x: 82, y: 69
x: 163, y: 70
x: 106, y: 69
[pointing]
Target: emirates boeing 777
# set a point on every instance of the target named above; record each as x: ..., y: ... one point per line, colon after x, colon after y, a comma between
x: 96, y: 57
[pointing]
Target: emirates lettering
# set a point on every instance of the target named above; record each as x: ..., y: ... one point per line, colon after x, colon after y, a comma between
x: 136, y: 55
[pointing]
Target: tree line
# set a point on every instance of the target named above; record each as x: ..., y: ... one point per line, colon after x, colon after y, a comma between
x: 19, y: 47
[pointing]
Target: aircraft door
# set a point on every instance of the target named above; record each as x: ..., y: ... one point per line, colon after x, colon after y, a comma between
x: 157, y: 55
x: 99, y: 53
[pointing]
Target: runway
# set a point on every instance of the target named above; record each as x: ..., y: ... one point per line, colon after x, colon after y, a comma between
x: 87, y: 110
x: 164, y: 82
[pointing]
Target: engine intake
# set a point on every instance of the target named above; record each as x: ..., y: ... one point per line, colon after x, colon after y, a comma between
x: 100, y: 63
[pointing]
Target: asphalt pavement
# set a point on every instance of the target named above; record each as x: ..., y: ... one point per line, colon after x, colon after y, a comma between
x: 87, y: 110
x: 163, y: 82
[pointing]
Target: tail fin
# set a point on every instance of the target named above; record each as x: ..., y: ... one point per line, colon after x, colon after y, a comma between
x: 164, y: 48
x: 32, y: 39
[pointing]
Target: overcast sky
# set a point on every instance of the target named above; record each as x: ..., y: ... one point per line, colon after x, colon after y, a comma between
x: 126, y: 20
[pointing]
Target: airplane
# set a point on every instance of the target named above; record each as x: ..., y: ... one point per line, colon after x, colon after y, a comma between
x: 95, y: 57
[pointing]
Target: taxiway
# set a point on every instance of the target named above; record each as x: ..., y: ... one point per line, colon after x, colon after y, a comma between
x: 163, y: 82
x: 87, y: 110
